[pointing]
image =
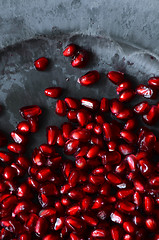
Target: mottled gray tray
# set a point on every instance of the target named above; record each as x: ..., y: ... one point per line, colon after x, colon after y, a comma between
x: 21, y: 84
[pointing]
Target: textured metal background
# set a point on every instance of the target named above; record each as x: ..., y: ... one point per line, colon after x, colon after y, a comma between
x: 122, y: 35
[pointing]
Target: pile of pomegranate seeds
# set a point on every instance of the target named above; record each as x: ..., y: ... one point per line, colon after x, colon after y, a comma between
x: 109, y: 191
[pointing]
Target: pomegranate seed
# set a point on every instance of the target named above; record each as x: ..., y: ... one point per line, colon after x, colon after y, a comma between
x: 61, y: 108
x: 23, y: 162
x: 128, y: 136
x: 116, y: 77
x: 125, y: 193
x: 90, y: 103
x: 126, y: 149
x: 18, y: 137
x: 23, y: 191
x: 116, y: 233
x: 154, y: 181
x: 151, y: 224
x: 152, y: 116
x: 66, y: 129
x: 90, y: 220
x: 72, y: 115
x: 52, y: 133
x: 73, y: 178
x: 41, y: 226
x: 71, y: 146
x: 154, y: 82
x: 89, y: 78
x: 20, y: 207
x: 104, y: 105
x: 80, y: 60
x: 72, y: 103
x: 148, y: 204
x: 114, y: 179
x: 33, y: 122
x: 70, y: 50
x: 41, y: 63
x: 145, y: 91
x: 30, y: 111
x: 126, y: 96
x: 108, y: 131
x: 99, y: 233
x: 15, y: 147
x: 142, y: 108
x: 5, y: 157
x: 125, y: 114
x: 53, y: 92
x: 44, y: 174
x: 9, y: 173
x: 23, y: 127
x: 93, y: 152
x: 115, y: 106
x: 129, y: 227
x: 74, y: 210
x: 130, y: 124
x: 123, y: 87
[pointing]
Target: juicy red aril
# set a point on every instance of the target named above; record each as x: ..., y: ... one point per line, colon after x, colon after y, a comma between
x: 142, y: 108
x: 72, y: 103
x: 104, y: 105
x: 123, y: 87
x: 126, y: 96
x: 30, y: 111
x: 115, y: 106
x: 41, y: 63
x: 116, y: 77
x: 130, y: 124
x: 71, y: 146
x: 152, y: 116
x: 23, y: 127
x: 52, y: 134
x: 18, y: 137
x: 154, y: 82
x: 33, y: 122
x: 80, y: 60
x: 89, y: 78
x: 15, y: 148
x: 5, y: 156
x: 145, y: 91
x: 70, y: 50
x: 61, y: 107
x: 53, y: 92
x: 90, y: 103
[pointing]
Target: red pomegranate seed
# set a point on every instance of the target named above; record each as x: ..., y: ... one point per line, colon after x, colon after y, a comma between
x: 99, y: 233
x: 19, y: 171
x: 123, y: 87
x: 41, y: 63
x: 125, y: 114
x: 92, y: 221
x: 52, y: 133
x: 18, y: 137
x: 116, y: 77
x: 114, y: 179
x: 43, y: 174
x: 74, y: 210
x: 108, y: 131
x: 154, y: 82
x: 90, y: 188
x: 20, y: 207
x: 125, y: 193
x: 126, y: 149
x: 152, y: 116
x: 83, y: 135
x: 80, y: 60
x: 66, y: 129
x: 47, y: 149
x: 75, y: 194
x: 72, y: 115
x: 11, y: 224
x: 33, y: 183
x: 23, y: 162
x: 145, y: 91
x: 90, y: 103
x: 70, y: 50
x: 5, y: 156
x: 25, y: 236
x: 33, y: 122
x: 9, y: 173
x: 16, y: 148
x: 128, y: 136
x: 151, y: 224
x: 72, y: 103
x: 61, y: 108
x: 130, y: 124
x: 116, y: 233
x: 41, y: 227
x: 115, y: 106
x: 71, y: 146
x: 53, y: 92
x: 148, y: 204
x: 9, y: 202
x: 126, y: 206
x: 89, y: 78
x: 129, y: 227
x: 142, y: 108
x: 23, y: 191
x: 23, y: 127
x: 73, y: 178
x: 126, y: 96
x: 100, y: 119
x: 154, y: 181
x: 30, y: 111
x: 104, y: 105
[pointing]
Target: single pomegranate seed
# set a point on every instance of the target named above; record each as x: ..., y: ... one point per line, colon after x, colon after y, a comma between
x: 89, y: 78
x: 125, y: 193
x: 92, y: 221
x: 74, y: 224
x: 142, y: 108
x: 125, y: 114
x: 99, y: 233
x: 71, y: 146
x: 148, y: 204
x: 70, y: 50
x: 53, y: 92
x: 145, y: 91
x: 18, y: 137
x: 16, y: 148
x: 126, y: 149
x: 115, y: 106
x: 80, y: 60
x: 30, y: 111
x: 5, y: 156
x: 41, y: 226
x: 114, y: 179
x: 73, y: 178
x: 151, y: 224
x: 116, y: 233
x: 72, y: 115
x: 66, y: 129
x: 33, y: 122
x: 129, y: 227
x: 93, y: 152
x: 108, y: 131
x: 23, y: 162
x: 9, y: 173
x: 90, y: 103
x: 83, y: 135
x: 74, y: 210
x: 23, y: 191
x: 154, y: 181
x: 23, y: 127
x: 41, y: 63
x: 20, y: 207
x: 104, y: 105
x: 44, y: 174
x: 126, y: 96
x: 72, y: 103
x: 61, y: 108
x: 123, y: 87
x: 152, y: 116
x: 130, y: 124
x: 47, y: 149
x: 52, y: 133
x: 116, y: 77
x: 154, y: 82
x: 126, y: 206
x: 128, y: 136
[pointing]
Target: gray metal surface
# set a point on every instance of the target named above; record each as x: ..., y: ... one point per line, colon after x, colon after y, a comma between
x: 108, y: 29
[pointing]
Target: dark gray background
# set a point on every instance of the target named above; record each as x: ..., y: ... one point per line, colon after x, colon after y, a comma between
x: 122, y: 35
